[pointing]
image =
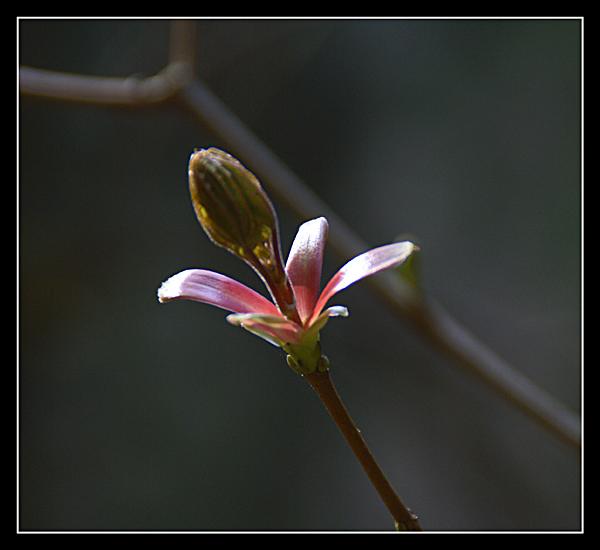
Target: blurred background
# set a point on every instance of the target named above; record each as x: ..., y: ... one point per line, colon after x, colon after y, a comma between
x: 133, y: 415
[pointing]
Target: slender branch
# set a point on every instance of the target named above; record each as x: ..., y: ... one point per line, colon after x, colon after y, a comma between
x: 182, y: 42
x: 323, y: 385
x: 430, y: 320
x: 458, y: 344
x: 133, y: 90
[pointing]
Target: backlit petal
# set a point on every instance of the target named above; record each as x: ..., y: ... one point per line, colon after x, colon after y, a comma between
x: 304, y: 264
x: 217, y: 290
x: 364, y: 265
x: 279, y: 331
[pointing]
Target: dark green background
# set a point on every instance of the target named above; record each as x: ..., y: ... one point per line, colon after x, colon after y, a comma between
x: 141, y: 416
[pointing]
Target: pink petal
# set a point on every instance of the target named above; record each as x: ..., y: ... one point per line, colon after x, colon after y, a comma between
x: 364, y: 265
x: 279, y: 331
x: 304, y: 264
x: 217, y: 290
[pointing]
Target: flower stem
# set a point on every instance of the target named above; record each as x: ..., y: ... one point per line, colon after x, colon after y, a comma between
x: 321, y: 382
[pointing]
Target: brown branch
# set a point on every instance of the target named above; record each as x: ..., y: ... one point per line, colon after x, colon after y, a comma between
x: 322, y: 384
x: 104, y: 90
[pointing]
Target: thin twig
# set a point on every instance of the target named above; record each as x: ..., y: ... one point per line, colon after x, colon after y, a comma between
x: 134, y: 90
x: 322, y: 384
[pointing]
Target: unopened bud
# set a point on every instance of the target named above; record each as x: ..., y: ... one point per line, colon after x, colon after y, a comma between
x: 237, y: 214
x: 230, y: 204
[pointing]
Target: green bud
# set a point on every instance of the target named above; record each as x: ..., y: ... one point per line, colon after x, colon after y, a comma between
x: 236, y: 214
x: 230, y: 204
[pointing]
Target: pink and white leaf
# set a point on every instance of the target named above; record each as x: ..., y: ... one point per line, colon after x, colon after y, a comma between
x: 279, y: 331
x: 304, y: 264
x: 364, y: 265
x: 215, y: 289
